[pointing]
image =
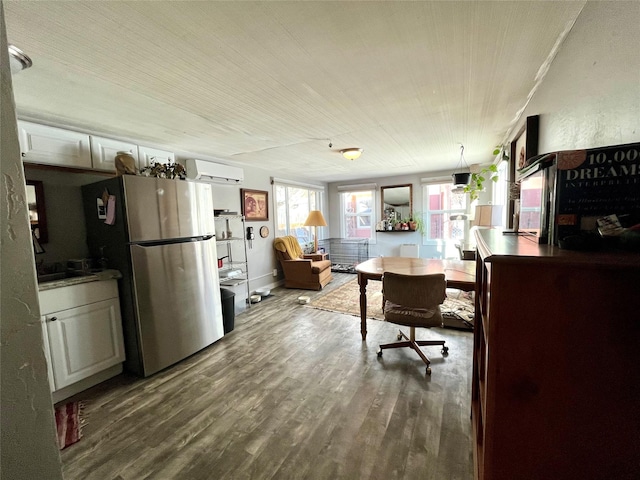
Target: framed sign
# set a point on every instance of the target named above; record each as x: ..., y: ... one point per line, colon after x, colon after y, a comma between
x: 255, y: 204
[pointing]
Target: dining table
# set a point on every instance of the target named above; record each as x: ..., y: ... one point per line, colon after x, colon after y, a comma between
x: 459, y: 274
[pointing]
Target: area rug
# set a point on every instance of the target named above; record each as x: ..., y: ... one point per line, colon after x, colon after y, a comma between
x: 457, y: 309
x: 69, y: 423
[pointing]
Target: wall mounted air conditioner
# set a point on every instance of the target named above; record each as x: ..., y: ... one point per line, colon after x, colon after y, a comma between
x: 206, y: 171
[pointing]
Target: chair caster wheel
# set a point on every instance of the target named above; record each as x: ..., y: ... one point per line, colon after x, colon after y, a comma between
x: 445, y: 350
x: 379, y: 352
x: 429, y: 371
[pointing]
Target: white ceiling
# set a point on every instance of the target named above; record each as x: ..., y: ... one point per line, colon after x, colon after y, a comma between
x: 269, y: 84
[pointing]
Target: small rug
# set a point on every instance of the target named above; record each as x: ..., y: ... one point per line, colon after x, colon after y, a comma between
x: 457, y: 309
x: 69, y: 423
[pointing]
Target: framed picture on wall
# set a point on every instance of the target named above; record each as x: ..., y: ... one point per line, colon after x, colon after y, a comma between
x: 523, y: 147
x: 525, y: 144
x: 255, y: 204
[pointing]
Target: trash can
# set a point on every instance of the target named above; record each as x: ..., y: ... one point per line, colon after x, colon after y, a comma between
x: 227, y: 298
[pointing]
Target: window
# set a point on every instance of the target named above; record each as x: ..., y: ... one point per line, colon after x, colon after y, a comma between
x: 531, y: 201
x: 357, y: 209
x: 293, y: 204
x: 500, y: 193
x: 441, y: 204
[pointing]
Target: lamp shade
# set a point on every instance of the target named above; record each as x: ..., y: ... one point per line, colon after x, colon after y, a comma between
x: 351, y: 153
x: 315, y: 219
x: 488, y: 216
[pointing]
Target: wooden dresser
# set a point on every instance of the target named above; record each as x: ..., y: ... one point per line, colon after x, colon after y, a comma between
x: 556, y: 370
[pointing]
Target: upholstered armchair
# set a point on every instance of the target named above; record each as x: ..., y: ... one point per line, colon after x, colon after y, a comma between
x: 310, y: 272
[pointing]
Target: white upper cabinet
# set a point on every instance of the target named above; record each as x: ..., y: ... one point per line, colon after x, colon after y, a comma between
x: 150, y: 155
x: 104, y: 150
x: 55, y: 146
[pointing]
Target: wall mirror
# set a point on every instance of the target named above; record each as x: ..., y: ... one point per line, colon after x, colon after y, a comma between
x: 396, y: 202
x: 37, y: 211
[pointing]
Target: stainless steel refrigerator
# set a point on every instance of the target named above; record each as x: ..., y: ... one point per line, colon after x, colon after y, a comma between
x: 160, y: 234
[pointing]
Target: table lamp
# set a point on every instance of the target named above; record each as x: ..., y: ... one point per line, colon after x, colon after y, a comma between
x: 315, y: 220
x: 488, y: 216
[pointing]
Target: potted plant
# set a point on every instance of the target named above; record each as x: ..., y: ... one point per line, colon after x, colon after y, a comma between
x: 416, y: 223
x: 476, y: 185
x: 461, y: 178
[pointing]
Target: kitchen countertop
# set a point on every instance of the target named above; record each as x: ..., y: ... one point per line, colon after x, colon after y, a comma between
x: 107, y: 274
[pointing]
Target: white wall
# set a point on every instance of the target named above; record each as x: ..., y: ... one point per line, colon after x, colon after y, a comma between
x: 28, y: 441
x: 261, y: 257
x: 591, y: 94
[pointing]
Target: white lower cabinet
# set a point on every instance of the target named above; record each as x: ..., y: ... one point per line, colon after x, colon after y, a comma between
x: 47, y: 353
x: 83, y: 335
x: 84, y: 341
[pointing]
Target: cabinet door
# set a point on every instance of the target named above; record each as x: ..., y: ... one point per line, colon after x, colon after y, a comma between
x: 47, y: 353
x: 104, y: 150
x: 151, y: 155
x: 84, y: 341
x: 51, y: 145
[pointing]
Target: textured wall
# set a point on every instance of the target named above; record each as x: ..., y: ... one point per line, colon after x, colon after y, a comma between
x: 28, y: 447
x: 591, y: 94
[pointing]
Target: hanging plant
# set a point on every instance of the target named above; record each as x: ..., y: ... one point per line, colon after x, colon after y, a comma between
x: 461, y: 178
x: 501, y: 149
x: 476, y: 185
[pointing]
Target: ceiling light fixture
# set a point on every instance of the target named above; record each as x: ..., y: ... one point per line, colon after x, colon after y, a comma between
x: 18, y: 60
x: 351, y: 153
x: 461, y: 178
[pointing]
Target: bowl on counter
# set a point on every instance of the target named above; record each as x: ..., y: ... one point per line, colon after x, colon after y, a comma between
x: 263, y: 292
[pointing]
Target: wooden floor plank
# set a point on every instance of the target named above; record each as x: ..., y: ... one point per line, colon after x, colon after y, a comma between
x: 291, y: 393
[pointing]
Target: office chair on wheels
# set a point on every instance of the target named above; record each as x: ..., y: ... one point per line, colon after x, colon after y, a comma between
x: 414, y: 301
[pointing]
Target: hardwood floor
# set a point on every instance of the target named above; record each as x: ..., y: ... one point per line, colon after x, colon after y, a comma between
x: 291, y: 393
